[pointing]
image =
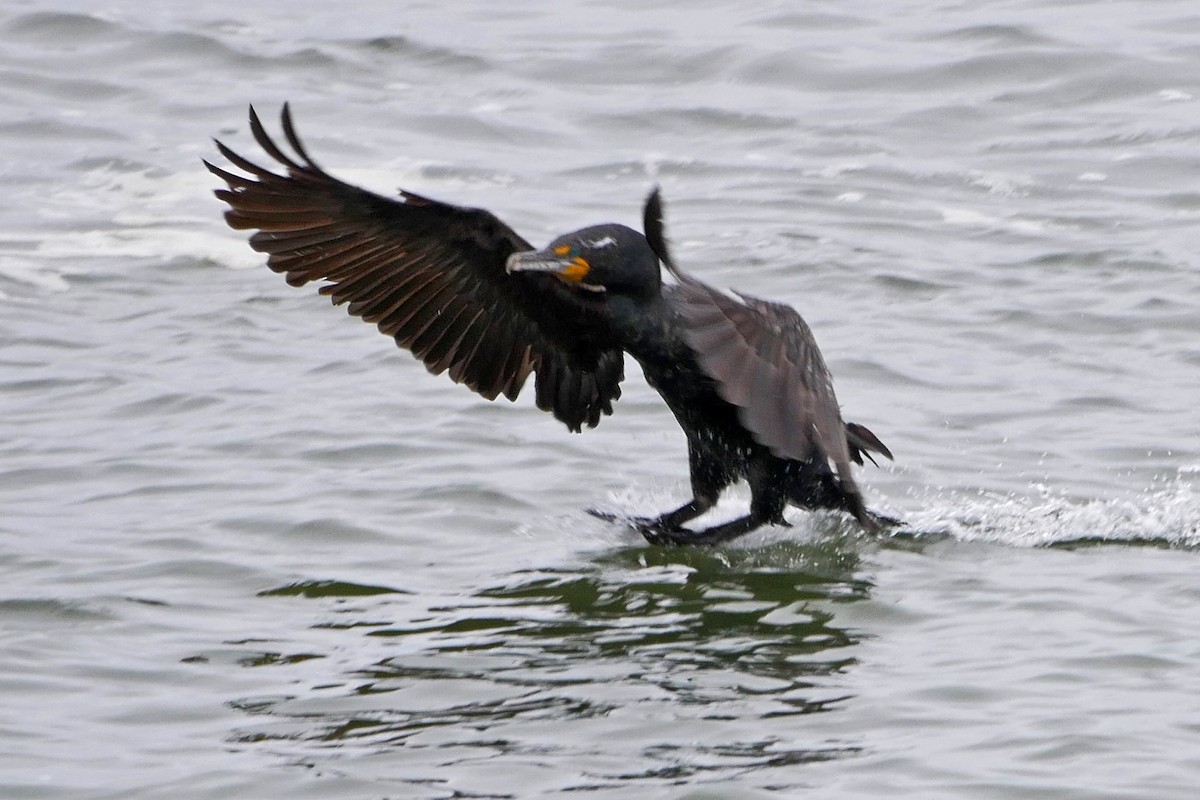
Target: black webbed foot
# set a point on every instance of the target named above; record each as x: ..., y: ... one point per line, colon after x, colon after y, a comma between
x: 717, y: 534
x: 636, y: 522
x: 607, y: 516
x: 667, y: 531
x: 656, y: 530
x: 885, y: 523
x: 658, y: 534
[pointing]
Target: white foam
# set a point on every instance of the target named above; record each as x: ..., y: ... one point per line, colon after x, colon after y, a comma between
x: 969, y: 218
x: 1168, y: 515
x: 24, y: 270
x: 149, y: 215
x: 1001, y: 183
x: 1174, y: 95
x: 836, y: 170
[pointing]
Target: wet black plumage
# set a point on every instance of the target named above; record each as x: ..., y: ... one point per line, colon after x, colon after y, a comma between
x: 469, y: 296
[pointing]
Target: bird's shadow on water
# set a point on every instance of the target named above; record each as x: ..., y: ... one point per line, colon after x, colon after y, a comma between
x: 650, y: 665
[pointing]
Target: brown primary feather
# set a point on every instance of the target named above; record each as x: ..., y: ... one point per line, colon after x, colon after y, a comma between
x: 429, y: 274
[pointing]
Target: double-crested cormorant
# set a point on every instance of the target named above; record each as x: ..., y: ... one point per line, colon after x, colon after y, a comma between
x: 467, y: 295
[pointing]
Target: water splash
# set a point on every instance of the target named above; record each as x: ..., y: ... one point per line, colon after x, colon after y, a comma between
x: 1166, y: 516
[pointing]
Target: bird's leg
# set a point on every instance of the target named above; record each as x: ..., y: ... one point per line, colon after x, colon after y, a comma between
x: 672, y: 520
x: 685, y: 513
x: 709, y: 475
x: 766, y: 507
x: 768, y: 511
x: 666, y: 528
x: 885, y: 522
x: 709, y: 536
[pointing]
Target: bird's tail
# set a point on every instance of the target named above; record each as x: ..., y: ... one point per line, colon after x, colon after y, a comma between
x: 862, y: 443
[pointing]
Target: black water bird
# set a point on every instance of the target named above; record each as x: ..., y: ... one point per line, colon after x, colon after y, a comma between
x: 467, y: 295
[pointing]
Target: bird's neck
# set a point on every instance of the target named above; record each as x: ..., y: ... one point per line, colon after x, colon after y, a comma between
x: 637, y: 321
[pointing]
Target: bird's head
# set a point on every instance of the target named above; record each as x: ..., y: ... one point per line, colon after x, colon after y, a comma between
x: 602, y: 258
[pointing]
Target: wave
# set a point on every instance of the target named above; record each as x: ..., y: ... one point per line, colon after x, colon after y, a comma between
x: 1165, y: 516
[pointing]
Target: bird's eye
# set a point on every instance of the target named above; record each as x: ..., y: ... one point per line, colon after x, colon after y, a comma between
x: 562, y: 250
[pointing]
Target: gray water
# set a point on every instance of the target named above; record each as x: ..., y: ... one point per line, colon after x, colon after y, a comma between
x: 248, y: 548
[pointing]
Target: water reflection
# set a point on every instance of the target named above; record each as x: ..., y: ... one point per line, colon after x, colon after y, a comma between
x: 642, y: 665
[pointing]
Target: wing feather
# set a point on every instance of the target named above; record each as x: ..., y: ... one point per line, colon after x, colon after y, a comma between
x: 764, y: 360
x: 429, y: 274
x: 790, y: 406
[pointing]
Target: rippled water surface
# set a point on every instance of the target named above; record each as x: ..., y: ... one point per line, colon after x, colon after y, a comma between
x: 250, y: 549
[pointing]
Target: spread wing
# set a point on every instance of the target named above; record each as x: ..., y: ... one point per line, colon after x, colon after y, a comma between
x: 431, y: 275
x: 764, y: 360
